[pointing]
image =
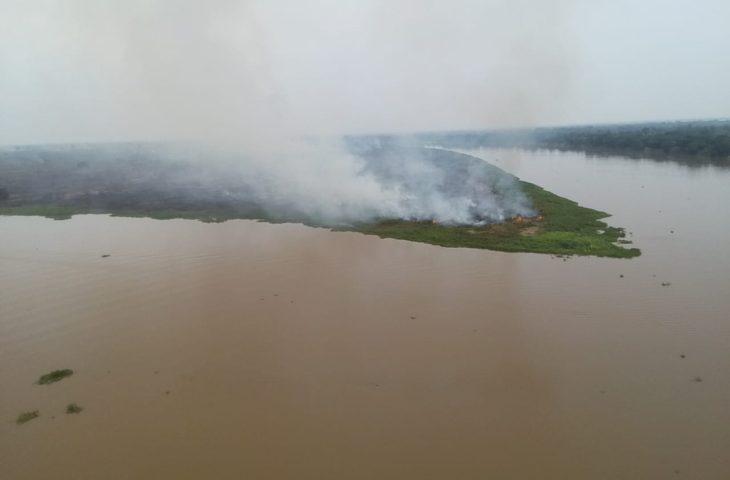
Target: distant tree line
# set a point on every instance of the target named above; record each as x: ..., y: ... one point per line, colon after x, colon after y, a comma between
x: 695, y: 140
x: 700, y: 142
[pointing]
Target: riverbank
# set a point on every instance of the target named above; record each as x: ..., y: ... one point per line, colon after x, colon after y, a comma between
x: 561, y: 226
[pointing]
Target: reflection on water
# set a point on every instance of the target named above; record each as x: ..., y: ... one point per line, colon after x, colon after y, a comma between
x: 279, y: 351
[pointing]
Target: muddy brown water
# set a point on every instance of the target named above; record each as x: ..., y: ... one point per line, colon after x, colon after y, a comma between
x: 249, y: 350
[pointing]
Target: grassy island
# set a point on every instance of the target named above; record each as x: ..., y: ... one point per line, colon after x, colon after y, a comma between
x: 72, y: 186
x: 561, y: 227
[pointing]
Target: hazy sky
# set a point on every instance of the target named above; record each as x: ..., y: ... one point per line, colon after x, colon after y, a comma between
x: 73, y: 70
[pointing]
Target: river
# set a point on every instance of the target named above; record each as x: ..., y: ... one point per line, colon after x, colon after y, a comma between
x: 251, y: 350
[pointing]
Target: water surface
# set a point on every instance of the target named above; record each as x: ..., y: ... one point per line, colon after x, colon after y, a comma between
x: 249, y: 350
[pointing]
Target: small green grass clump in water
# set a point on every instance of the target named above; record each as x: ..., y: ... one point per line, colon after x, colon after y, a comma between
x: 26, y: 417
x: 55, y: 376
x: 73, y: 408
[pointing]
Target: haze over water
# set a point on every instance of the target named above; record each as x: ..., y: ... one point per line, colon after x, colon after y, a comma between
x: 246, y: 349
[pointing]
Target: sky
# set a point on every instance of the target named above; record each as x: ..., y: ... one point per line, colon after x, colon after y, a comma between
x: 107, y: 70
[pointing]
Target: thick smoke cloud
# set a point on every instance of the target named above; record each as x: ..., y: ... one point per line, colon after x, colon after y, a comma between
x: 91, y: 70
x: 265, y: 78
x: 332, y: 183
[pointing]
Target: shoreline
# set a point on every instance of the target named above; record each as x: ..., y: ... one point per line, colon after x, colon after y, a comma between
x: 561, y: 227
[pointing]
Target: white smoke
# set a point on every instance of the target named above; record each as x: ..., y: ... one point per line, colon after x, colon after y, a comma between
x: 322, y: 181
x: 317, y: 180
x: 232, y: 76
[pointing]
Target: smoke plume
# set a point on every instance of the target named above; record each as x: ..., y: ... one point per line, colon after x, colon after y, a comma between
x: 262, y: 90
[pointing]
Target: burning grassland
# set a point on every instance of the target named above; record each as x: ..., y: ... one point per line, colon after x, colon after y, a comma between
x: 396, y: 191
x: 561, y: 227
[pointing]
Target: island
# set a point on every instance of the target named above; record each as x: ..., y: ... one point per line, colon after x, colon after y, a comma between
x: 135, y: 180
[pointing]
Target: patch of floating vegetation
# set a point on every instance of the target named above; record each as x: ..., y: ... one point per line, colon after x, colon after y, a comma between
x: 54, y: 376
x: 26, y: 417
x: 73, y: 408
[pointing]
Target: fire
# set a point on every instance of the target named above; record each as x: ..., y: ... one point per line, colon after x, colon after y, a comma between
x: 521, y: 219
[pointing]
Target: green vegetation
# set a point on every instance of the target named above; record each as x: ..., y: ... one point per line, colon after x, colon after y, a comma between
x: 690, y: 142
x: 73, y: 408
x: 27, y: 417
x: 57, y: 212
x: 562, y: 227
x: 55, y: 376
x: 693, y: 143
x: 64, y: 212
x: 63, y: 185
